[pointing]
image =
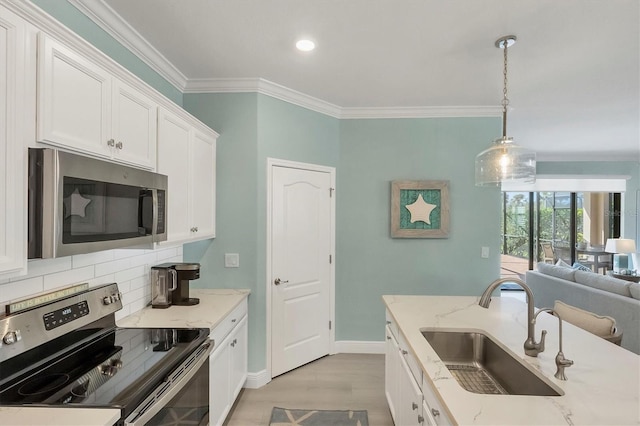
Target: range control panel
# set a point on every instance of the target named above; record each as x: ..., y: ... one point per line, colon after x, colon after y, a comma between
x: 64, y: 315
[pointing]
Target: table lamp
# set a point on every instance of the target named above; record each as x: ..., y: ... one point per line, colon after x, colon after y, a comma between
x: 620, y: 247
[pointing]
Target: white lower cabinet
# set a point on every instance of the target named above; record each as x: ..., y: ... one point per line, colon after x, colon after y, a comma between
x: 227, y: 366
x: 411, y: 399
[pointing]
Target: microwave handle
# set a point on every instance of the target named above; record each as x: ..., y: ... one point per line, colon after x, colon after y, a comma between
x: 154, y: 202
x: 174, y: 279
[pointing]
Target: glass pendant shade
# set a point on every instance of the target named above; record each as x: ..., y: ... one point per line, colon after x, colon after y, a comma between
x: 505, y: 161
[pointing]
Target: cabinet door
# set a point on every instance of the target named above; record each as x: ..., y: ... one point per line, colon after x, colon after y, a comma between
x: 409, y: 408
x: 238, y: 358
x: 13, y: 163
x: 219, y: 382
x: 391, y: 372
x: 134, y: 126
x: 173, y: 160
x: 202, y: 167
x: 74, y: 99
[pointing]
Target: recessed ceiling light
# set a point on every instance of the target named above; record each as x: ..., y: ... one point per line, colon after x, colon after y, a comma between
x: 305, y: 45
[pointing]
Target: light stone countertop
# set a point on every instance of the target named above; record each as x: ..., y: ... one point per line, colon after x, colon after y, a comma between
x: 214, y: 305
x: 603, y: 385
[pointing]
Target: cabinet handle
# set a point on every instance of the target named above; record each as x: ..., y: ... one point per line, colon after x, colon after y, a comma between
x: 233, y: 344
x: 388, y: 322
x: 196, y: 228
x: 233, y: 320
x: 414, y: 406
x: 420, y: 419
x: 119, y: 145
x: 111, y: 142
x: 388, y: 337
x: 235, y: 341
x: 435, y: 412
x: 404, y: 352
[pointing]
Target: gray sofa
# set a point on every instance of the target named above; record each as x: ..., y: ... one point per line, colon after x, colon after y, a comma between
x: 600, y: 294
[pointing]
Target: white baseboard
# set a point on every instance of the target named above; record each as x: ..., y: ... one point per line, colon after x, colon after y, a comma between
x: 359, y: 347
x: 257, y: 380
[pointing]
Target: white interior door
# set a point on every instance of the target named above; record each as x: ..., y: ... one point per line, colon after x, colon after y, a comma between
x: 301, y: 270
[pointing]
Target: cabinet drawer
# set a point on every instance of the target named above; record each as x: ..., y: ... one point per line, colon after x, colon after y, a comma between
x: 228, y: 323
x: 416, y: 371
x: 436, y: 410
x: 392, y: 324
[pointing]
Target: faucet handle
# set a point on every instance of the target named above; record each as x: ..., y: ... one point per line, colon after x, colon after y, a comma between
x: 543, y: 336
x: 532, y: 348
x: 561, y: 364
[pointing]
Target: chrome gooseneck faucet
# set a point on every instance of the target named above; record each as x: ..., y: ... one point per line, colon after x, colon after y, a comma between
x: 561, y: 361
x: 531, y: 347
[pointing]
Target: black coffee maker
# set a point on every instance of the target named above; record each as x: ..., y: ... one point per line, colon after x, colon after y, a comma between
x: 170, y: 284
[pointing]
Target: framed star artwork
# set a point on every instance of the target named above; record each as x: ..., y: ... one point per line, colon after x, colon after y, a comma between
x: 420, y: 209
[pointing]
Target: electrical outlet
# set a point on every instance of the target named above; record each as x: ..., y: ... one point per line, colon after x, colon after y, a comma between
x: 485, y: 252
x: 231, y: 260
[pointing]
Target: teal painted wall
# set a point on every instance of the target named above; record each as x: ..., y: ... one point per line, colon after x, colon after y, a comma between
x: 85, y: 28
x: 369, y: 263
x: 252, y: 128
x: 630, y: 213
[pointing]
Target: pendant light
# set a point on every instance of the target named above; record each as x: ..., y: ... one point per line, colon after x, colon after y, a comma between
x: 504, y: 160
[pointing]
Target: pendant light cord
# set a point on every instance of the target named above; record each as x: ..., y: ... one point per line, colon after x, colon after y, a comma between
x: 505, y: 100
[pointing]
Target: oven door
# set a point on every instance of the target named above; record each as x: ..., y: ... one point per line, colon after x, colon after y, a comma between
x: 183, y: 396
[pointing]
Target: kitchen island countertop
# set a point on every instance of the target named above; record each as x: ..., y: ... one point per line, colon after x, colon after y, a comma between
x: 603, y: 385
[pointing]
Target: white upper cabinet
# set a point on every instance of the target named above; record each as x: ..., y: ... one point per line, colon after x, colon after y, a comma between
x: 82, y: 107
x: 187, y: 155
x: 202, y: 201
x: 13, y: 135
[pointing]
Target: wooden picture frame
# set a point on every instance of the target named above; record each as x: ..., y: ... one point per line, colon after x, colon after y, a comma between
x: 420, y: 209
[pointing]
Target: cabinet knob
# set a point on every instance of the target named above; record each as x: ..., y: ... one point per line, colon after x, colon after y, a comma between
x: 414, y: 406
x: 111, y: 142
x: 420, y: 419
x: 404, y: 352
x: 278, y: 281
x: 388, y: 337
x: 388, y: 322
x: 435, y: 412
x: 119, y: 145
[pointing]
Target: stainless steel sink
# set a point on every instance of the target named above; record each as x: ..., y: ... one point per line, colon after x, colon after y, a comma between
x: 481, y: 365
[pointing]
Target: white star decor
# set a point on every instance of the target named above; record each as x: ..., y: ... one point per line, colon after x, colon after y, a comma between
x: 420, y: 210
x: 75, y: 204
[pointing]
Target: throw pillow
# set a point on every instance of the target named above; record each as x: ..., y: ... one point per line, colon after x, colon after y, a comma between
x: 603, y: 282
x: 599, y: 325
x: 562, y: 263
x: 580, y: 267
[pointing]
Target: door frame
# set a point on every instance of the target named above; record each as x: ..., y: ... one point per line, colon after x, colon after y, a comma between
x: 275, y: 162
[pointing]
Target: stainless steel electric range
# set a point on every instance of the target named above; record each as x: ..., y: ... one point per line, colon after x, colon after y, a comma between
x: 65, y: 350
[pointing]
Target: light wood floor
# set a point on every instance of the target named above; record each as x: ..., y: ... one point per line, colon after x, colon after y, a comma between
x: 335, y: 382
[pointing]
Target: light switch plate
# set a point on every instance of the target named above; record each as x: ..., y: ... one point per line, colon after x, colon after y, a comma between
x: 485, y: 252
x: 231, y: 260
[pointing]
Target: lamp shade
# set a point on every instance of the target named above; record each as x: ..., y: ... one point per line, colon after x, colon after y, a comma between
x: 505, y: 161
x: 620, y: 245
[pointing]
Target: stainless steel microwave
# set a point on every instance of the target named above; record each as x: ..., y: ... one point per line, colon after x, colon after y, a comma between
x: 82, y: 205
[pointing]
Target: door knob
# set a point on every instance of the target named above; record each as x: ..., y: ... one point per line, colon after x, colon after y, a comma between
x: 278, y: 281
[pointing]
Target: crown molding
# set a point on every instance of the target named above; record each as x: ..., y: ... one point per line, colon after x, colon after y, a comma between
x: 106, y: 18
x: 265, y: 87
x: 421, y: 112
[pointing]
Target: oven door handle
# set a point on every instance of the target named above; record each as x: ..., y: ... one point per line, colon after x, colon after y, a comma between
x: 164, y: 392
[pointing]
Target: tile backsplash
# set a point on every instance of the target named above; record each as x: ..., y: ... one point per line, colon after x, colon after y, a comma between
x: 127, y: 267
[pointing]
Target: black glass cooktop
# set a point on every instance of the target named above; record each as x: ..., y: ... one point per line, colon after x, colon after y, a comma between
x: 115, y: 369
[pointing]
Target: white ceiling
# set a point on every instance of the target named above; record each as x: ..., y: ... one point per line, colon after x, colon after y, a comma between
x: 574, y: 74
